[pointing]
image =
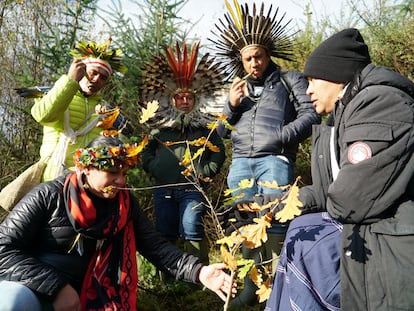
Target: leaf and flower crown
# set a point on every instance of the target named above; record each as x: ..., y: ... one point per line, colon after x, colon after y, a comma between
x: 102, y: 52
x: 109, y: 157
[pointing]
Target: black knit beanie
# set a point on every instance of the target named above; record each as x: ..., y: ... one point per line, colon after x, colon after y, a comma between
x: 339, y: 57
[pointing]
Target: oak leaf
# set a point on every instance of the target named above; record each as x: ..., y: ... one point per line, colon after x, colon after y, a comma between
x: 149, y: 112
x: 291, y: 206
x: 264, y: 291
x: 273, y: 185
x: 255, y: 234
x: 245, y: 183
x: 245, y: 265
x: 228, y: 258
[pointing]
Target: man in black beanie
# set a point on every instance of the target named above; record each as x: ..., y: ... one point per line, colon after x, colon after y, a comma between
x: 338, y: 58
x: 357, y: 252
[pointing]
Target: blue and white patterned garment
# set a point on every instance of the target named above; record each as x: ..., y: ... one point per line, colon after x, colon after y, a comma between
x: 308, y: 273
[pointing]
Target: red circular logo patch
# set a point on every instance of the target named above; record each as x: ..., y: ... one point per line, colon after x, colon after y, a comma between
x: 358, y: 152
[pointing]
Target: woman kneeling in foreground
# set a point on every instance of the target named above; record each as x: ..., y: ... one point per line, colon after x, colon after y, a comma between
x: 71, y: 243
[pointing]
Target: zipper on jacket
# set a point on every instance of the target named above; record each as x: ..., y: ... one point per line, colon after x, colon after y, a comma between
x: 252, y: 127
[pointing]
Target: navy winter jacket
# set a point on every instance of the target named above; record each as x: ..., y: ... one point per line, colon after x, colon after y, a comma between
x: 277, y: 122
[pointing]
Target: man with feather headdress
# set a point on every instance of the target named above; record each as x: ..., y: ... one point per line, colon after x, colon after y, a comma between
x: 188, y: 92
x: 269, y: 110
x: 73, y: 112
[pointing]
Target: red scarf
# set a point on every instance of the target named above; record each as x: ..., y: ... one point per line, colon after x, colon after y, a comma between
x: 110, y: 282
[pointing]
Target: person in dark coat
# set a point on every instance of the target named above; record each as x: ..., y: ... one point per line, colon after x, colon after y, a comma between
x: 190, y: 92
x: 71, y: 243
x: 269, y: 112
x: 365, y: 237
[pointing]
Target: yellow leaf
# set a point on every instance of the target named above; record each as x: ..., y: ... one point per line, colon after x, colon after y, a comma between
x: 172, y: 143
x: 291, y: 208
x: 198, y: 153
x: 246, y: 183
x: 272, y: 185
x: 245, y: 265
x: 256, y: 276
x: 149, y: 112
x: 109, y: 119
x: 264, y: 291
x: 134, y: 150
x: 228, y: 126
x: 205, y: 179
x: 221, y: 117
x: 233, y: 239
x: 187, y: 172
x: 228, y: 259
x: 186, y: 158
x: 213, y: 125
x: 249, y: 207
x: 198, y: 142
x: 212, y: 147
x: 255, y: 234
x: 109, y: 133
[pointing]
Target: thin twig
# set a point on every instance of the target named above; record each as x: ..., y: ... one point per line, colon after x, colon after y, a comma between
x: 229, y: 293
x: 153, y: 187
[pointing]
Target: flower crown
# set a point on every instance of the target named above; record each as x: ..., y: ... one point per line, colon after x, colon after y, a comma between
x: 241, y: 29
x: 100, y: 51
x: 107, y: 157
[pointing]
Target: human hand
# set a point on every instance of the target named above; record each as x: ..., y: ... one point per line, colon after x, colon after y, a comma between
x: 67, y: 300
x: 214, y: 278
x: 238, y: 89
x: 77, y: 69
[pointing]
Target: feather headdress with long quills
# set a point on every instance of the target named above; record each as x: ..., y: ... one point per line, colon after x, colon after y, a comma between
x: 181, y: 71
x: 241, y: 29
x: 91, y: 49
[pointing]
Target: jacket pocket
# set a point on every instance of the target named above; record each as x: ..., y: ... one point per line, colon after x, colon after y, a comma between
x: 401, y: 224
x: 368, y: 132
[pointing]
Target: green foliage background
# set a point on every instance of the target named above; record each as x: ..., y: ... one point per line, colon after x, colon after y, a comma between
x: 37, y: 35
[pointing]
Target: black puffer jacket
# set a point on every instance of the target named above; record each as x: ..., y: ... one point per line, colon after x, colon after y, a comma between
x: 36, y: 237
x: 274, y: 124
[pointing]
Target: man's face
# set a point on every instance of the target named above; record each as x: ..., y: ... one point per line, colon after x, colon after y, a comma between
x: 324, y: 94
x: 184, y: 101
x: 96, y: 78
x: 255, y: 60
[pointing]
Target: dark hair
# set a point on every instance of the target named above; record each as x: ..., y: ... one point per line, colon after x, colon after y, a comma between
x: 107, y: 141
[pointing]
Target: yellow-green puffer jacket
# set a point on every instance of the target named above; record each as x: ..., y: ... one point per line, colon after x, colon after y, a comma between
x: 49, y: 111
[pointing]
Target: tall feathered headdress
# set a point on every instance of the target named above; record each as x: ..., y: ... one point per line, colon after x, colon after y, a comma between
x: 91, y: 52
x: 181, y: 71
x: 241, y: 29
